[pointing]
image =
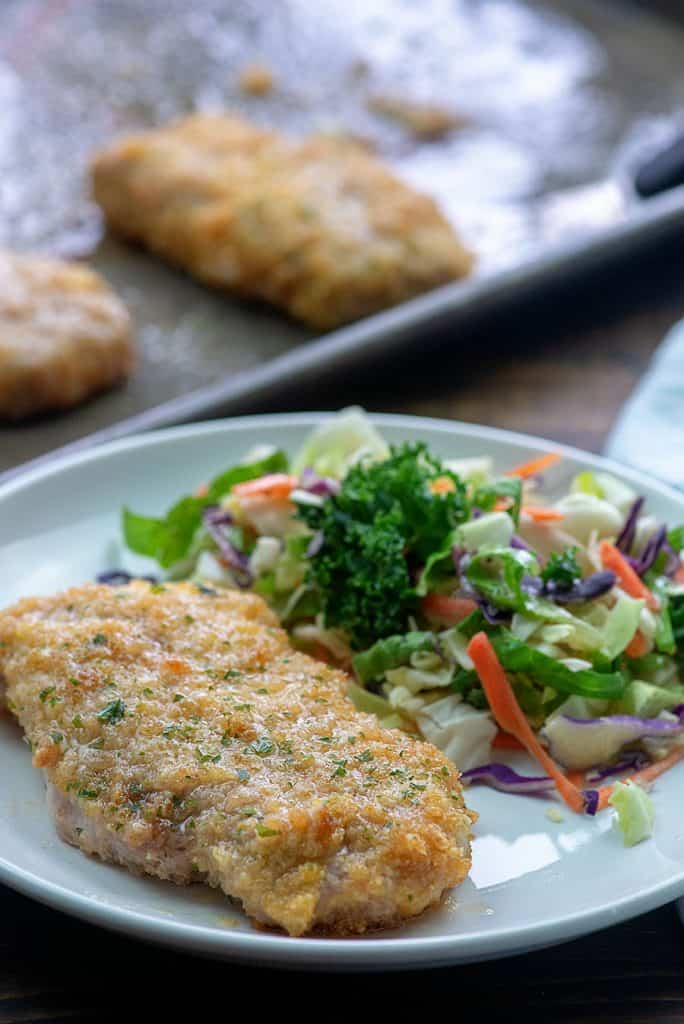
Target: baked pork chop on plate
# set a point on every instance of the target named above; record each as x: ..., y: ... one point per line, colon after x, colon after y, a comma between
x: 182, y: 736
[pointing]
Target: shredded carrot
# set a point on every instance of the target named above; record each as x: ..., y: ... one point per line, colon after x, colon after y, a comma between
x: 629, y: 581
x: 576, y: 778
x: 638, y: 645
x: 504, y: 741
x: 202, y: 491
x: 645, y: 777
x: 679, y: 575
x: 534, y: 466
x: 272, y: 486
x: 442, y: 485
x: 540, y: 514
x: 502, y: 504
x: 449, y: 610
x: 510, y: 717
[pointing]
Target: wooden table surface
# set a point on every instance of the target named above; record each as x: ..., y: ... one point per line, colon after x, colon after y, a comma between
x: 560, y: 367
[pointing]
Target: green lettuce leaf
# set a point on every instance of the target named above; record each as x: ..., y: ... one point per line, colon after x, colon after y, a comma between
x: 438, y: 567
x: 486, y: 496
x: 675, y: 538
x: 168, y: 539
x: 664, y: 638
x: 494, y: 529
x: 586, y: 483
x: 675, y: 612
x: 497, y: 573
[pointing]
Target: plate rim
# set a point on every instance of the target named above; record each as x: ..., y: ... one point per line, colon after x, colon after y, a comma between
x: 374, y: 953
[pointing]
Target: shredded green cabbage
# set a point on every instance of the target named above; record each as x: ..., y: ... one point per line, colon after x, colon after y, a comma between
x: 494, y: 529
x: 635, y: 813
x: 367, y: 701
x: 647, y: 700
x: 622, y: 622
x: 373, y: 663
x: 339, y: 443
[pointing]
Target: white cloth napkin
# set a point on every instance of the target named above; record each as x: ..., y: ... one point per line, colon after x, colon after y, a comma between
x: 649, y: 431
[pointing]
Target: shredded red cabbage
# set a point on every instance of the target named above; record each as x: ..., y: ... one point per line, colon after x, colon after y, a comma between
x: 506, y: 780
x: 591, y: 801
x: 622, y: 730
x: 459, y: 557
x: 215, y: 519
x: 625, y: 538
x: 672, y: 559
x: 642, y: 727
x: 587, y: 589
x: 494, y: 616
x: 633, y: 760
x: 519, y: 543
x: 651, y: 551
x: 500, y: 776
x: 532, y: 585
x: 324, y: 486
x: 217, y: 516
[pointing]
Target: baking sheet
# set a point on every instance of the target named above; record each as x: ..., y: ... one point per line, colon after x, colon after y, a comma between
x: 557, y: 95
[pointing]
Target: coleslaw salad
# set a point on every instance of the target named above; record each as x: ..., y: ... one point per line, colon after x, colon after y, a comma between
x: 482, y: 612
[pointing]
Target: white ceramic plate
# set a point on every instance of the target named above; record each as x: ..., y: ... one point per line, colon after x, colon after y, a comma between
x: 533, y: 882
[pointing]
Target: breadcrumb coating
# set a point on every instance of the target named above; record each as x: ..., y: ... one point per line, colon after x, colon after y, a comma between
x: 321, y: 229
x: 182, y: 736
x: 64, y: 335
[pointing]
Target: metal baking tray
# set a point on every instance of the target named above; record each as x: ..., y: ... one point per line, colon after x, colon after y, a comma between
x: 562, y: 99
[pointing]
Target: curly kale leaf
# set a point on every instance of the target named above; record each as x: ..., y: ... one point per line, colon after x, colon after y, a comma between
x: 387, y: 518
x: 562, y: 569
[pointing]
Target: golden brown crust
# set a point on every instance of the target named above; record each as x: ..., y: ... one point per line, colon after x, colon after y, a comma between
x: 185, y: 738
x: 64, y: 335
x: 321, y: 229
x: 257, y: 79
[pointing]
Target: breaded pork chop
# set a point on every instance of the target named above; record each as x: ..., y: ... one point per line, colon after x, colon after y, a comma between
x: 64, y: 335
x: 182, y: 736
x: 321, y: 229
